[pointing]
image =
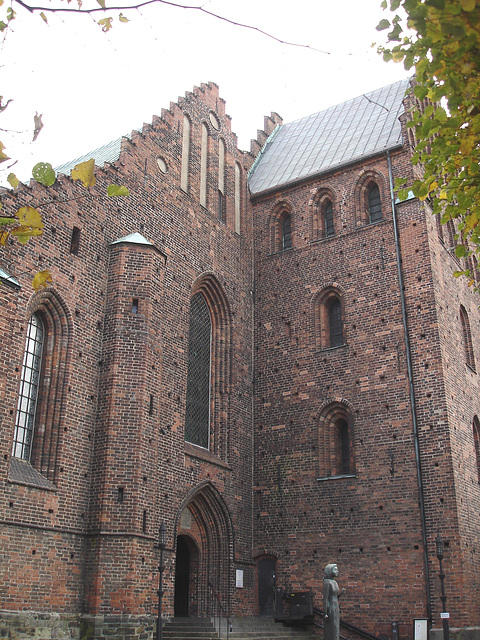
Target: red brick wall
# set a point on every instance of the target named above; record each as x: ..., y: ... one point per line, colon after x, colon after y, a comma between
x: 370, y: 524
x: 111, y: 434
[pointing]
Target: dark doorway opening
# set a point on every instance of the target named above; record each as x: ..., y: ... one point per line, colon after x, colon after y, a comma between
x: 267, y: 569
x: 182, y: 578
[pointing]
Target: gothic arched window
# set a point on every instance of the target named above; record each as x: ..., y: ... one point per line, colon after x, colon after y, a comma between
x: 28, y: 393
x: 197, y: 419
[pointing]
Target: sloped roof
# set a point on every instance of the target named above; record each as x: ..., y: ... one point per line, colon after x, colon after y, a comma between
x: 340, y: 135
x: 109, y: 152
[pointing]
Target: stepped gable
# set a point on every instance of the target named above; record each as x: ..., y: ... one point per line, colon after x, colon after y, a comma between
x: 342, y: 134
x: 111, y: 151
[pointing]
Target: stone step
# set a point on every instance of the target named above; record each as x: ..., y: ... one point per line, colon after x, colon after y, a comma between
x: 241, y: 629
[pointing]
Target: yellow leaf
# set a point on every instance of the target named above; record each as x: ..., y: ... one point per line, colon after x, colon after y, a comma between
x: 123, y: 18
x: 106, y: 24
x: 43, y: 17
x: 101, y: 3
x: 468, y: 5
x: 3, y: 156
x: 4, y: 236
x: 84, y: 173
x: 42, y: 279
x: 30, y: 217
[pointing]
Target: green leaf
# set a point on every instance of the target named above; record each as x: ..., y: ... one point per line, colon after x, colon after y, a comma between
x: 383, y: 24
x: 44, y: 174
x: 468, y: 5
x: 117, y: 190
x: 13, y: 180
x: 6, y: 221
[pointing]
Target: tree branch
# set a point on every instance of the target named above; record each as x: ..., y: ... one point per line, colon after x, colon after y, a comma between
x: 32, y: 9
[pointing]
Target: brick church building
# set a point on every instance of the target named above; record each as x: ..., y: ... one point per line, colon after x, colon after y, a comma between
x: 265, y: 350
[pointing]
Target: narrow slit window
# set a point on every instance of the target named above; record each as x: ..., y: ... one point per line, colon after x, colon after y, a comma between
x: 344, y: 447
x: 134, y: 306
x: 120, y: 495
x: 75, y: 241
x: 374, y: 204
x: 335, y: 323
x: 287, y: 233
x: 328, y: 218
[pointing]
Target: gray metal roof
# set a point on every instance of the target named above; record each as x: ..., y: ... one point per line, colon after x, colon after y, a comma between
x: 110, y: 152
x: 133, y: 238
x: 355, y: 129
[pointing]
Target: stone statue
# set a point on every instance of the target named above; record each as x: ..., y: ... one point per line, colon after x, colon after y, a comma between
x: 331, y: 609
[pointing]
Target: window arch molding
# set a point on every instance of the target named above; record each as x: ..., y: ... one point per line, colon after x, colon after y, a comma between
x: 276, y: 224
x: 329, y: 317
x: 366, y: 182
x: 220, y: 360
x: 320, y: 227
x: 336, y: 449
x: 50, y: 410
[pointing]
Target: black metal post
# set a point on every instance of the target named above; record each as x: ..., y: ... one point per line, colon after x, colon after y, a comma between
x: 162, y: 538
x: 443, y: 597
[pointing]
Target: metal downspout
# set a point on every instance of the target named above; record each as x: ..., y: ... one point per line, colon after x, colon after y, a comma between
x: 412, y: 392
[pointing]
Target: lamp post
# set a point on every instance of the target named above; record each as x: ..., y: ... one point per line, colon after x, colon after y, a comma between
x: 443, y: 597
x: 162, y: 539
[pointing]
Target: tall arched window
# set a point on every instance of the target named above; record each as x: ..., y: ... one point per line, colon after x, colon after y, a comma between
x: 476, y: 440
x: 467, y: 338
x: 328, y: 310
x: 197, y: 419
x: 184, y: 178
x: 203, y: 166
x: 28, y: 393
x: 238, y: 201
x: 208, y: 375
x: 221, y: 180
x: 336, y: 443
x: 335, y: 322
x: 374, y: 203
x: 287, y: 232
x: 43, y: 385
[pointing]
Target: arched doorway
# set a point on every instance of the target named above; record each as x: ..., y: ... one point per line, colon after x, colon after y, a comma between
x: 204, y: 557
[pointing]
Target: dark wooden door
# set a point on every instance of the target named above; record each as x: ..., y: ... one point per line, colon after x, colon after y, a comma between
x: 182, y: 578
x: 267, y: 568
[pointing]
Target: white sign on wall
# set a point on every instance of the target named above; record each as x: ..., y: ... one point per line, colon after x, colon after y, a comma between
x: 239, y: 578
x: 420, y: 630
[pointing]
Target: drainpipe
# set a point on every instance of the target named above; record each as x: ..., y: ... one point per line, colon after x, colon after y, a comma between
x: 412, y: 392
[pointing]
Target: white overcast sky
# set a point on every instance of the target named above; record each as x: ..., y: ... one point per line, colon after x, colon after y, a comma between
x: 92, y: 87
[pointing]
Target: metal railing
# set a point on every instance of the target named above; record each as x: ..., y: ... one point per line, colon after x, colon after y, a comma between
x: 221, y: 612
